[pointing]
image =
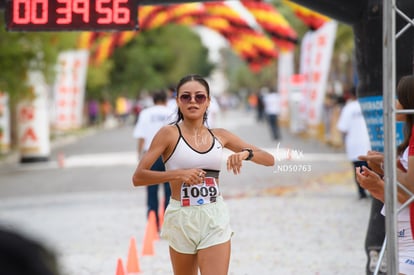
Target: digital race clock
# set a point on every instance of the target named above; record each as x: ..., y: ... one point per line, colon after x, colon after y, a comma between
x: 71, y: 15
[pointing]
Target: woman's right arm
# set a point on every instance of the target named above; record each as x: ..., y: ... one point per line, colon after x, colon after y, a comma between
x: 163, y: 143
x: 143, y: 174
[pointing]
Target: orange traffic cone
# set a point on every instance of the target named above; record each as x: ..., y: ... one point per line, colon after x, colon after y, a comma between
x: 161, y: 213
x: 120, y: 268
x: 133, y: 261
x: 61, y: 160
x: 151, y: 234
x: 152, y: 221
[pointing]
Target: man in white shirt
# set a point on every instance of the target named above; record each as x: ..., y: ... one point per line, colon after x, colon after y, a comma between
x: 150, y: 120
x: 271, y: 102
x: 352, y: 125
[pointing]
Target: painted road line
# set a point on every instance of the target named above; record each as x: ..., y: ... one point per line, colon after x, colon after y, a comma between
x: 130, y: 159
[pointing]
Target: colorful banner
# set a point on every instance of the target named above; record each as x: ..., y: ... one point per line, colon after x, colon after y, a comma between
x: 4, y: 123
x: 305, y: 65
x: 312, y: 19
x: 33, y: 121
x: 69, y: 89
x: 250, y: 44
x: 253, y: 46
x: 296, y: 102
x: 273, y: 23
x: 86, y: 39
x: 285, y: 71
x: 316, y: 54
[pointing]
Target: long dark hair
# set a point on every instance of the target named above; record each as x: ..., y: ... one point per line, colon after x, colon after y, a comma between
x: 188, y: 78
x: 405, y: 95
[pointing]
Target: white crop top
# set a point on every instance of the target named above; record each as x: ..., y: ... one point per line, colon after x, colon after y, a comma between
x: 186, y: 157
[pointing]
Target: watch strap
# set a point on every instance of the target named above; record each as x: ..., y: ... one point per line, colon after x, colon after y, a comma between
x: 250, y: 156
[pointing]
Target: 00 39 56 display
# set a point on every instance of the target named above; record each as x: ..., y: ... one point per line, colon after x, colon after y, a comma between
x: 71, y: 15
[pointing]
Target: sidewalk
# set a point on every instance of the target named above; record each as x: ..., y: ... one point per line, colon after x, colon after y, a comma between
x: 285, y: 223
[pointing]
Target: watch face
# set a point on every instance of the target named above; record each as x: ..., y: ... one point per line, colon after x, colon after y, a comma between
x: 71, y: 15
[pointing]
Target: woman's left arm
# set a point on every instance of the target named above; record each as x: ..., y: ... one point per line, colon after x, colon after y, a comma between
x: 242, y: 151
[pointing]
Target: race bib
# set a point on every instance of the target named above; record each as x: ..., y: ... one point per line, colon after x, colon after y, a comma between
x: 199, y: 194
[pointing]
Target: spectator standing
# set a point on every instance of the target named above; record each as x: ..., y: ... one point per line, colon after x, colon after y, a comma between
x: 137, y: 108
x: 150, y: 120
x: 271, y: 102
x: 172, y: 103
x: 372, y: 179
x: 121, y: 109
x: 352, y: 125
x: 260, y: 107
x: 93, y: 112
x: 213, y: 113
x: 251, y: 101
x: 106, y: 109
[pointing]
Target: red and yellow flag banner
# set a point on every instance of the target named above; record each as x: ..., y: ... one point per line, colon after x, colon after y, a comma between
x: 312, y: 19
x: 252, y: 45
x: 273, y: 23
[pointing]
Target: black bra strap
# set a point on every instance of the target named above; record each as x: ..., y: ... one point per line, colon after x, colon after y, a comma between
x: 211, y: 132
x: 179, y: 130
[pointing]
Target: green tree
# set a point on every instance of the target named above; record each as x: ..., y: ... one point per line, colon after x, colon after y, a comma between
x: 98, y: 80
x: 242, y: 79
x: 158, y: 58
x: 21, y: 52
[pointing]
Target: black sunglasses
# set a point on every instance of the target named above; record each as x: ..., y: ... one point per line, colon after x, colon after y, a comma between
x: 199, y: 98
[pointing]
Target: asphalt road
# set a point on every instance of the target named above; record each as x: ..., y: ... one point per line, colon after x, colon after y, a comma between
x: 301, y: 216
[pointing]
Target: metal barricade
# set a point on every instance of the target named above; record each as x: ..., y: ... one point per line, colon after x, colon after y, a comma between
x: 390, y: 35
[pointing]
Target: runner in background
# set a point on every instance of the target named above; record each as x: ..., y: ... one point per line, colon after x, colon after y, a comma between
x: 271, y: 101
x: 150, y: 120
